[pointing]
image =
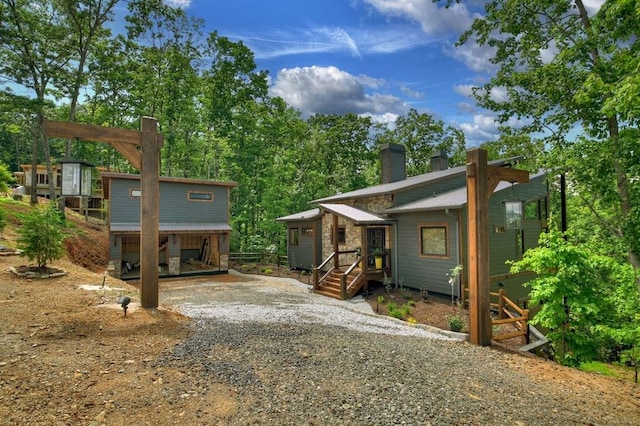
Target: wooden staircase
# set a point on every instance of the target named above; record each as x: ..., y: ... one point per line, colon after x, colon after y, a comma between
x: 330, y: 285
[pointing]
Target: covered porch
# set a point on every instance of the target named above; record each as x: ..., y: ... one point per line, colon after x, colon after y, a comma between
x: 360, y: 250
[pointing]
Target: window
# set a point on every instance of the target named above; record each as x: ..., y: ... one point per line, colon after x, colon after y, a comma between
x: 434, y: 240
x: 307, y: 232
x: 293, y: 236
x: 342, y: 234
x: 200, y: 196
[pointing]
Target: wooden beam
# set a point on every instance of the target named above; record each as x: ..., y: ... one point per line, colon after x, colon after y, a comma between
x: 478, y: 247
x: 495, y: 174
x: 129, y: 152
x: 149, y: 214
x: 89, y: 132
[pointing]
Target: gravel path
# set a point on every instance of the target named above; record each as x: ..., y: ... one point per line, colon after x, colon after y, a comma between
x: 292, y: 357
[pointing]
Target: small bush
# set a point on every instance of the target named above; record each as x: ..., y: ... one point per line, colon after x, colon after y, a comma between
x: 455, y: 322
x: 41, y: 236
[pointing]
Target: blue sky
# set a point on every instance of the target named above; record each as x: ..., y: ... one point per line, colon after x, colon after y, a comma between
x: 370, y: 57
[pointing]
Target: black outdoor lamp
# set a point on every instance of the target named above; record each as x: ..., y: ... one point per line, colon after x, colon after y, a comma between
x: 76, y: 178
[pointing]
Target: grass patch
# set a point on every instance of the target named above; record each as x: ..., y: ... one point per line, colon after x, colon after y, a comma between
x: 600, y: 368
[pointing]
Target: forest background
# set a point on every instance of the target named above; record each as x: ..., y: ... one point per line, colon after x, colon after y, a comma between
x: 572, y: 80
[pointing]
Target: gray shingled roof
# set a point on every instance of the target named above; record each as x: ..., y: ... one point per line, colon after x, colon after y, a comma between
x: 408, y: 183
x: 359, y: 216
x: 305, y: 215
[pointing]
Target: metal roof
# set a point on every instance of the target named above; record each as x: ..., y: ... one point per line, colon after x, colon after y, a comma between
x: 447, y: 200
x: 410, y: 182
x: 173, y: 227
x: 359, y: 216
x: 305, y: 215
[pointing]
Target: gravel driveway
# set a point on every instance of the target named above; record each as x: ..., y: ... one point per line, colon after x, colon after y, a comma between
x: 293, y: 357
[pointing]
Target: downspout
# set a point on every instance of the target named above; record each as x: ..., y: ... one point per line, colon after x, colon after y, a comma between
x: 457, y: 222
x: 394, y: 272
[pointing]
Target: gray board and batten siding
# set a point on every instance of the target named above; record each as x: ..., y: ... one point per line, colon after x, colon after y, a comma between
x: 308, y: 250
x: 416, y: 270
x: 174, y: 204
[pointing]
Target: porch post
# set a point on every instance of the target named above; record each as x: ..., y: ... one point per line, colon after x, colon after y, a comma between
x: 336, y: 260
x: 478, y: 248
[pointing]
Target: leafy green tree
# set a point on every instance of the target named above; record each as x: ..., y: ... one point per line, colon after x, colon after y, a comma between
x: 566, y: 72
x: 40, y: 235
x: 5, y: 178
x: 587, y: 301
x: 422, y: 135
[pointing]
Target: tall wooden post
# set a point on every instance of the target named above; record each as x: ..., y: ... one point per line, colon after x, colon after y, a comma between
x: 336, y: 248
x: 482, y: 180
x: 478, y: 247
x: 126, y: 142
x: 149, y: 214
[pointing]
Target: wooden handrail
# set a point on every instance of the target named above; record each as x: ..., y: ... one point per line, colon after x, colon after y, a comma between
x: 316, y: 273
x: 344, y: 287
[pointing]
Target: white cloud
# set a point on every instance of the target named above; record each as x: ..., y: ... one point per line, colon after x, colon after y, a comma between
x: 474, y: 56
x: 432, y: 19
x: 182, y: 4
x: 329, y: 90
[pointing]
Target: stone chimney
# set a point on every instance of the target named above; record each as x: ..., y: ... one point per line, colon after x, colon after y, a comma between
x: 439, y: 161
x: 392, y: 159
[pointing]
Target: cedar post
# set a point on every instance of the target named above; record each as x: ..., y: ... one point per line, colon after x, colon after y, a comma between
x: 482, y: 180
x: 478, y: 248
x: 336, y: 260
x: 149, y: 214
x: 126, y: 142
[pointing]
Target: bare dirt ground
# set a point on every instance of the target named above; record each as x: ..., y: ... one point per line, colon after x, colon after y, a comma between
x: 69, y: 355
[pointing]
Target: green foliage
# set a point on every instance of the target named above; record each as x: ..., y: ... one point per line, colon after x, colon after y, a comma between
x: 588, y: 302
x: 598, y: 367
x: 5, y: 178
x: 399, y: 312
x: 455, y: 323
x: 3, y: 220
x: 40, y: 236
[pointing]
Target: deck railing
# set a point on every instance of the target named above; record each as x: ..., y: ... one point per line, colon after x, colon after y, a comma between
x: 344, y: 286
x: 510, y: 313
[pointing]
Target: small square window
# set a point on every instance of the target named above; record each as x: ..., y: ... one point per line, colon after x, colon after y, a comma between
x: 434, y: 241
x: 342, y: 234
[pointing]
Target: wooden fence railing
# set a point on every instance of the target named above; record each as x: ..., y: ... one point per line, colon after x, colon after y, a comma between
x: 509, y: 313
x: 259, y: 258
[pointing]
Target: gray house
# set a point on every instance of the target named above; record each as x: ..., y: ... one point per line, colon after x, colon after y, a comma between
x: 418, y: 227
x: 194, y: 225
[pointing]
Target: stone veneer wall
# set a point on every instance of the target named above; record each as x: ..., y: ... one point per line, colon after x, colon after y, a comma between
x: 353, y: 237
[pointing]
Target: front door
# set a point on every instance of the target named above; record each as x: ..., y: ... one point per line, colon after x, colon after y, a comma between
x: 375, y: 240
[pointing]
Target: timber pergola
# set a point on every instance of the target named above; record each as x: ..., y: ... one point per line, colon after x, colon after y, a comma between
x: 482, y: 180
x: 147, y: 161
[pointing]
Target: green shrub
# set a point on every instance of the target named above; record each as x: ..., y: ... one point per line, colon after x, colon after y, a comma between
x: 455, y: 322
x: 40, y: 236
